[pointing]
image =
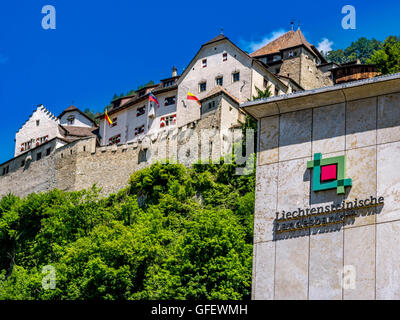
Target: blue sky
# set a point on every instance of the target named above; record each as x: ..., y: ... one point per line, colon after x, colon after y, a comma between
x: 104, y: 47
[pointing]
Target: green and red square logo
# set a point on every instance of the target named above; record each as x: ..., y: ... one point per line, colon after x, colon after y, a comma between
x: 329, y: 173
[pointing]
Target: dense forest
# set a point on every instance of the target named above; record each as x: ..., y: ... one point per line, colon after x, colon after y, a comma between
x: 172, y: 233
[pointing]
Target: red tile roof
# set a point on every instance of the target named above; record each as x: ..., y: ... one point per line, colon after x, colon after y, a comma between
x: 288, y: 40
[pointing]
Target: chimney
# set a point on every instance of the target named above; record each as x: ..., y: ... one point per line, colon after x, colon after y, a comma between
x: 174, y: 71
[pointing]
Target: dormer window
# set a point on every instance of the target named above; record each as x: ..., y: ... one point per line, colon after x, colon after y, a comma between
x: 141, y: 93
x: 71, y: 120
x: 204, y: 63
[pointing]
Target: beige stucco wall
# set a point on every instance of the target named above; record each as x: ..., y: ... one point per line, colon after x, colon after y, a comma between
x: 308, y: 265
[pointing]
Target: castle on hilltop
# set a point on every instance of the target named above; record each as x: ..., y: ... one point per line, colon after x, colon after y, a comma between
x: 71, y: 152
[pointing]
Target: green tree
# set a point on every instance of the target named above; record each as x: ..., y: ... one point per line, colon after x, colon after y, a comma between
x: 361, y: 49
x: 172, y: 233
x: 262, y: 94
x: 387, y: 59
x: 337, y: 56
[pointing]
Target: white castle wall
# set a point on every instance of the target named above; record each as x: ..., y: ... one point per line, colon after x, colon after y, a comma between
x: 48, y: 126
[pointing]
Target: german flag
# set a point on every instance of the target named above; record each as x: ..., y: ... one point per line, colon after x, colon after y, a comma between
x: 108, y: 118
x: 191, y: 96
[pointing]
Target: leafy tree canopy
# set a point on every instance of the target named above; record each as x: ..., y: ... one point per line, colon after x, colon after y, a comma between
x: 172, y: 233
x: 362, y: 49
x: 387, y: 59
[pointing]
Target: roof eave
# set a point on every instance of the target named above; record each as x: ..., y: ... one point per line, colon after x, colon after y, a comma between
x: 323, y: 96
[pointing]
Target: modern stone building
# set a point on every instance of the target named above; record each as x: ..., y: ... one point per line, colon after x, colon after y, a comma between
x: 327, y: 212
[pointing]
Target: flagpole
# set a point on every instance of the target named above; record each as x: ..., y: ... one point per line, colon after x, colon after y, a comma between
x: 104, y: 138
x: 147, y: 115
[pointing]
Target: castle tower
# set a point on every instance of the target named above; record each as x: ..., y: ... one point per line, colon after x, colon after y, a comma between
x: 292, y: 56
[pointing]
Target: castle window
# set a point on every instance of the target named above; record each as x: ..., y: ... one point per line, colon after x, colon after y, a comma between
x: 202, y: 86
x: 26, y: 146
x: 43, y: 139
x: 167, y: 121
x: 114, y: 140
x: 38, y: 156
x: 168, y: 83
x: 5, y: 170
x: 170, y: 120
x: 48, y: 150
x: 277, y: 70
x: 235, y: 76
x: 265, y: 82
x: 169, y: 101
x: 142, y: 157
x: 276, y: 91
x: 139, y: 130
x: 291, y: 54
x: 71, y: 120
x: 276, y: 58
x: 204, y: 63
x: 114, y: 122
x: 23, y: 163
x: 211, y: 105
x: 224, y: 56
x: 219, y: 81
x: 141, y: 111
x: 37, y: 123
x: 141, y: 93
